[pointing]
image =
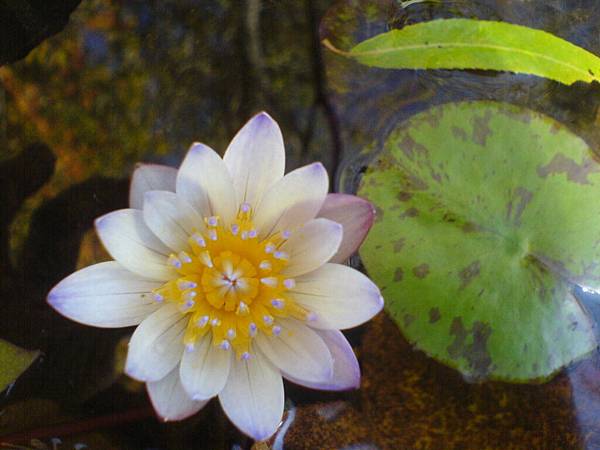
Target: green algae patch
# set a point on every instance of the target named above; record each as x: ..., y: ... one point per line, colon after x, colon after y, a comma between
x: 488, y: 215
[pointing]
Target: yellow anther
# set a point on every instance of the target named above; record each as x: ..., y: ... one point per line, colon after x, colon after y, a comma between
x: 231, y: 285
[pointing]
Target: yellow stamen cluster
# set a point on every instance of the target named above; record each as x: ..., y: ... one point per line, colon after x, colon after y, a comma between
x: 230, y: 283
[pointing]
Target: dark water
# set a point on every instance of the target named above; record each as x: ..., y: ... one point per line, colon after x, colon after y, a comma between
x: 132, y: 81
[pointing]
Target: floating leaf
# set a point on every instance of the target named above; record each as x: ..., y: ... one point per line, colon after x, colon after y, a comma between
x: 13, y: 362
x: 478, y: 44
x: 487, y: 215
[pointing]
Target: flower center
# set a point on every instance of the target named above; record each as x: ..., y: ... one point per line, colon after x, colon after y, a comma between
x: 230, y: 284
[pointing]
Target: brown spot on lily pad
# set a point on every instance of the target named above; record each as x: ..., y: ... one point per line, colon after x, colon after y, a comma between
x: 398, y: 274
x: 378, y: 214
x: 459, y: 133
x: 470, y: 227
x: 578, y: 173
x: 478, y: 355
x: 435, y: 175
x: 404, y: 196
x: 468, y: 273
x: 471, y: 345
x: 410, y: 147
x: 481, y: 128
x: 421, y: 271
x: 410, y: 212
x: 398, y: 245
x: 408, y: 319
x: 522, y: 198
x: 449, y: 217
x: 415, y: 183
x: 460, y: 335
x: 434, y: 315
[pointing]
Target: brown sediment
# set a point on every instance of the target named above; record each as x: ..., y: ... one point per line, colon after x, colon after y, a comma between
x: 409, y: 401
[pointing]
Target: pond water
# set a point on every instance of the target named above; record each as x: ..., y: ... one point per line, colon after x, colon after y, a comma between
x: 133, y: 81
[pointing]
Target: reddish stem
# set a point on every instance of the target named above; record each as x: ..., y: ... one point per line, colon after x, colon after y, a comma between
x: 77, y: 427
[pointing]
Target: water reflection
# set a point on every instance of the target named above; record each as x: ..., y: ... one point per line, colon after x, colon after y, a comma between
x: 370, y: 102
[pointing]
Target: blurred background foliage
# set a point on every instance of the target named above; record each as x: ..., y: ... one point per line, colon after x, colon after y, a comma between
x: 133, y: 81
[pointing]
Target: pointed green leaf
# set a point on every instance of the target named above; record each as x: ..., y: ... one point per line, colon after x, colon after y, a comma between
x: 478, y: 44
x: 487, y: 214
x: 13, y: 362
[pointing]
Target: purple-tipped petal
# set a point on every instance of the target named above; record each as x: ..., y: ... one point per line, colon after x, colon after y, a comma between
x: 346, y: 371
x: 255, y: 158
x: 293, y: 200
x: 128, y: 239
x: 253, y: 396
x: 355, y: 214
x: 169, y: 399
x: 150, y: 177
x: 205, y: 183
x: 339, y: 296
x: 299, y: 351
x: 104, y: 295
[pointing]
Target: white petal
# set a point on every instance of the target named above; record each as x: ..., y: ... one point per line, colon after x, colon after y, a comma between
x: 156, y: 345
x: 127, y: 238
x: 204, y: 370
x: 253, y: 396
x: 298, y: 351
x: 340, y: 296
x: 356, y: 216
x: 255, y: 158
x: 293, y: 200
x: 104, y: 295
x: 171, y: 218
x: 204, y: 181
x: 346, y: 371
x: 312, y: 246
x: 170, y: 400
x: 150, y: 177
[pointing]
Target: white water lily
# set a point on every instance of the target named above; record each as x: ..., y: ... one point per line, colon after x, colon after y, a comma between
x: 232, y: 273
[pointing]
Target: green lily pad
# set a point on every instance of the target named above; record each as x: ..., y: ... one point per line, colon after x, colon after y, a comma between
x: 487, y: 216
x: 13, y: 362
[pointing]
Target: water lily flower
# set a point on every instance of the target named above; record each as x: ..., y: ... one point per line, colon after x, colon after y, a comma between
x: 232, y: 273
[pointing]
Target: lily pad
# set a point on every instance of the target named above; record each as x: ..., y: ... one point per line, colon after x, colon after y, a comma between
x: 488, y: 215
x: 13, y: 362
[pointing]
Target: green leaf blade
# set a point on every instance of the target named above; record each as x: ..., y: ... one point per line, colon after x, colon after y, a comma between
x: 13, y: 362
x: 488, y: 213
x: 478, y: 44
